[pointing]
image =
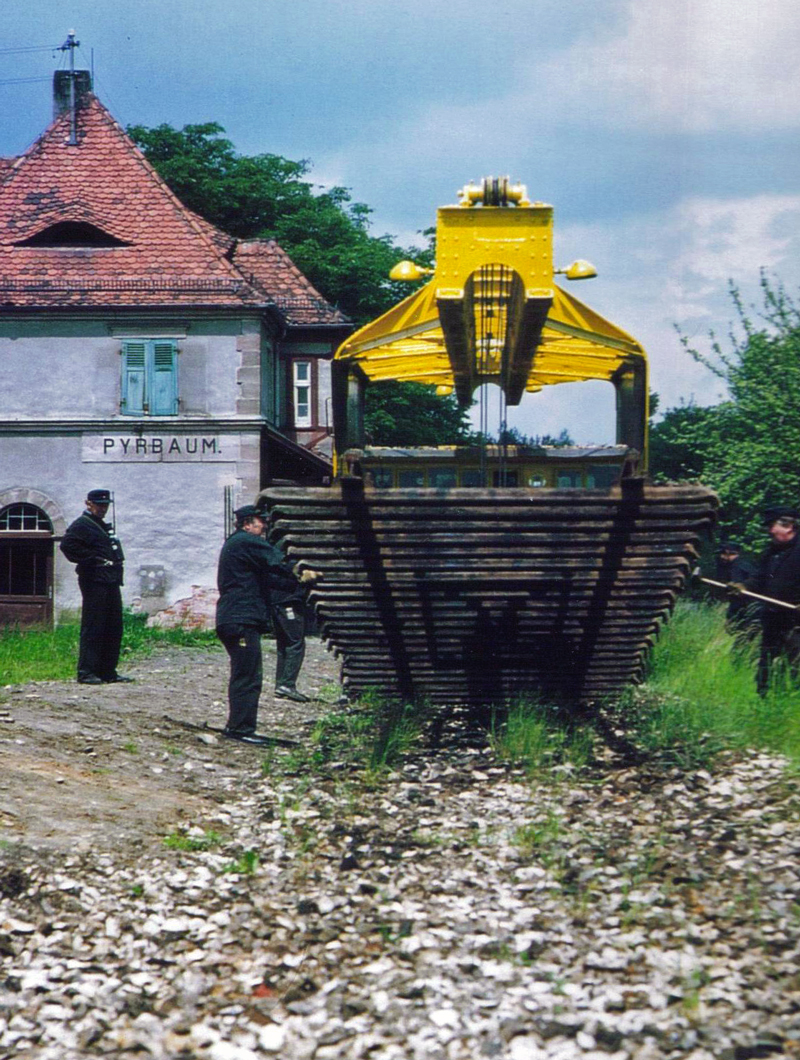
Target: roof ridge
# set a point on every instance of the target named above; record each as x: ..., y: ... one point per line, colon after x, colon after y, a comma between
x: 183, y: 210
x: 90, y: 102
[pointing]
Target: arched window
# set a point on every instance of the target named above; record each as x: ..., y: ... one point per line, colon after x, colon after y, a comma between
x: 25, y: 517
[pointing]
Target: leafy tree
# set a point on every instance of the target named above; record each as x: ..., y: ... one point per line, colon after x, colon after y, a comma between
x: 514, y: 436
x: 747, y: 448
x: 679, y: 443
x: 267, y: 197
x: 414, y: 414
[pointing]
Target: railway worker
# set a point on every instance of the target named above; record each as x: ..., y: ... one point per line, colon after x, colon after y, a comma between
x: 733, y: 568
x: 91, y: 545
x: 250, y: 568
x: 778, y: 576
x: 289, y: 627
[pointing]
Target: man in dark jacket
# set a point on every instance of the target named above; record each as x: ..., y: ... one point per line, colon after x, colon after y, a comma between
x: 778, y: 576
x: 249, y: 569
x: 90, y: 543
x: 732, y: 568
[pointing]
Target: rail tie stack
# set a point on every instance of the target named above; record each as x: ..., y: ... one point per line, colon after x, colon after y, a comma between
x: 474, y: 596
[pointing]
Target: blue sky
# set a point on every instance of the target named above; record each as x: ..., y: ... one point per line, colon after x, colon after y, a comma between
x: 664, y: 134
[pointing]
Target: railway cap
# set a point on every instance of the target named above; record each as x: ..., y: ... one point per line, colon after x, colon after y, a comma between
x: 247, y: 511
x: 99, y: 496
x: 729, y: 546
x: 780, y: 511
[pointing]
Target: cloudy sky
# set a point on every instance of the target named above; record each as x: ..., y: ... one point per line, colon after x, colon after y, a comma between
x: 665, y: 134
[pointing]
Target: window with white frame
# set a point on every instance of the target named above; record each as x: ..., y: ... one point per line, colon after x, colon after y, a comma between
x: 301, y: 380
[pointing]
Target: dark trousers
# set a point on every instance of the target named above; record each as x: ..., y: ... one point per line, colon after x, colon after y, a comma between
x: 290, y: 641
x: 101, y: 630
x: 243, y: 645
x: 778, y: 640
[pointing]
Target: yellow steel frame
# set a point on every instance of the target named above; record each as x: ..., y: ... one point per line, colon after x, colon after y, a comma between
x: 548, y: 336
x: 407, y: 343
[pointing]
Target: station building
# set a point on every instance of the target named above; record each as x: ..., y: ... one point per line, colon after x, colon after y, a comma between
x: 145, y: 351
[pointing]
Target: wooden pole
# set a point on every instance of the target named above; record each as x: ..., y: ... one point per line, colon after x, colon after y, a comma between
x: 754, y: 596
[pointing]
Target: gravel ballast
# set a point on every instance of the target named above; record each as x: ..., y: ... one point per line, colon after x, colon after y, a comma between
x: 449, y: 908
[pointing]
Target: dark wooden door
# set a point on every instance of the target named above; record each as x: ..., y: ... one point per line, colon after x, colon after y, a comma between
x: 26, y: 579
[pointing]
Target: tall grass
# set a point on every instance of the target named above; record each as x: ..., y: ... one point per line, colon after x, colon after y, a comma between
x: 539, y: 735
x: 700, y: 692
x: 51, y: 655
x: 699, y: 698
x: 369, y: 738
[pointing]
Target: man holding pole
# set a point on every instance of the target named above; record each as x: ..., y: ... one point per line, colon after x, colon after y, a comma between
x: 778, y: 577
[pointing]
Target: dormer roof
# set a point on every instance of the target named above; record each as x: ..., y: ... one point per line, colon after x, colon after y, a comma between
x: 87, y: 221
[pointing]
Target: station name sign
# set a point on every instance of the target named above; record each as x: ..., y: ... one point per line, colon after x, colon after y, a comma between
x: 159, y: 448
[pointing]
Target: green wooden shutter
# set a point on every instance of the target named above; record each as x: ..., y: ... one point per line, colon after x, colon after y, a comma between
x: 134, y: 389
x: 164, y: 388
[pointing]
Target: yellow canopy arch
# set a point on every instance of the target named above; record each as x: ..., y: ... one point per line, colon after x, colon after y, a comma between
x: 493, y: 314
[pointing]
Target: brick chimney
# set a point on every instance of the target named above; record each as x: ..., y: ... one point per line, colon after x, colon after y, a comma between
x: 61, y: 85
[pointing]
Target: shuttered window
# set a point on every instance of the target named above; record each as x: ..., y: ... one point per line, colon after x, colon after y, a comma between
x: 149, y: 378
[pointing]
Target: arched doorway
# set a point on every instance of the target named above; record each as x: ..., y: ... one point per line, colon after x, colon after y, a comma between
x: 26, y: 566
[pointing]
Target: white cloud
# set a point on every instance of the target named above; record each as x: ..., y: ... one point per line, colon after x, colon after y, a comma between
x: 673, y: 267
x: 686, y: 65
x: 682, y: 66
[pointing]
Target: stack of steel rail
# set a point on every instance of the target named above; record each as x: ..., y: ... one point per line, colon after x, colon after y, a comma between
x: 475, y: 596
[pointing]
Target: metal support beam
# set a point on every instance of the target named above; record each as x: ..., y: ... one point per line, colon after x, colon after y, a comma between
x: 348, y: 385
x: 630, y: 382
x: 457, y: 319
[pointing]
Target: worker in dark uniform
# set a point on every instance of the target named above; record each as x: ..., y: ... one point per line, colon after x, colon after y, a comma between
x: 90, y: 544
x: 733, y: 568
x: 289, y: 627
x: 250, y: 568
x: 778, y: 576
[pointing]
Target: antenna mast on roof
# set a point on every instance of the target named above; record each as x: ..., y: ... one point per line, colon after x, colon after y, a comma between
x: 70, y: 44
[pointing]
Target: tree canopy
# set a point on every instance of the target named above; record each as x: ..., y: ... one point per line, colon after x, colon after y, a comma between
x: 268, y: 197
x: 325, y: 234
x: 747, y: 447
x: 514, y: 436
x: 414, y: 414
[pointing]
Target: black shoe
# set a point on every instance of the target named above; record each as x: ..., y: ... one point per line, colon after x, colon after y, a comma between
x: 90, y: 679
x: 120, y: 679
x: 282, y: 692
x: 246, y: 737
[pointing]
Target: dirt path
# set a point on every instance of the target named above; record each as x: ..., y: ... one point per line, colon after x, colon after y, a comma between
x: 85, y: 768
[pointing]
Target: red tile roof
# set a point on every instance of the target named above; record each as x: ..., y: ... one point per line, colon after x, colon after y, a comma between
x: 266, y: 264
x: 166, y: 254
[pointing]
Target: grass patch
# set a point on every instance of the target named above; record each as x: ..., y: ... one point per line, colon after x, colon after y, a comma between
x: 52, y: 655
x: 245, y: 865
x: 699, y: 699
x: 700, y: 694
x: 371, y: 738
x: 192, y: 842
x: 539, y: 735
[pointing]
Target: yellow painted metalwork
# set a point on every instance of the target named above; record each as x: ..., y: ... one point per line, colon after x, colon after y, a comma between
x: 494, y: 271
